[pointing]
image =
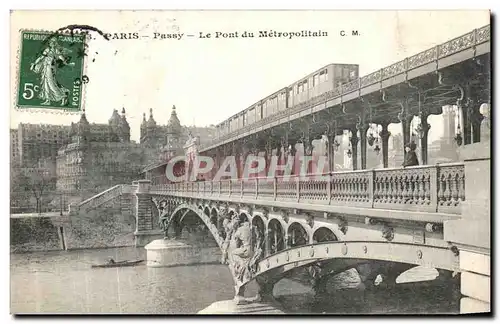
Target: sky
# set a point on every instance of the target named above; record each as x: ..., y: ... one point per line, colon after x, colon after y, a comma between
x: 211, y: 79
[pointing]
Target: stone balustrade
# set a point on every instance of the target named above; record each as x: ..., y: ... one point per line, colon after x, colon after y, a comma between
x: 105, y: 196
x: 430, y: 188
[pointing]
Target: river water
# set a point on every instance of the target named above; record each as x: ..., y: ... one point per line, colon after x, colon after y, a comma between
x: 63, y: 282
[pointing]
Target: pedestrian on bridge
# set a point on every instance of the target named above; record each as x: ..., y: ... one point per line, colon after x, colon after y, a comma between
x: 411, y: 158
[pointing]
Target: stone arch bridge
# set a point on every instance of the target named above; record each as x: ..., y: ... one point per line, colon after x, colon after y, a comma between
x: 283, y: 241
x: 268, y: 229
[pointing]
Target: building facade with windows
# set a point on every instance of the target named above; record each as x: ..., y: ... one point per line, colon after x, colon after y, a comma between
x: 88, y: 158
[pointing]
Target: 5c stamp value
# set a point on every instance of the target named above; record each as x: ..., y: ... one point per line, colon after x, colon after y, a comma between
x: 51, y: 71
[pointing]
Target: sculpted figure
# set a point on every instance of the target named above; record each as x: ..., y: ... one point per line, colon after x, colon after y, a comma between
x: 258, y: 251
x: 228, y: 228
x: 242, y: 249
x: 164, y: 218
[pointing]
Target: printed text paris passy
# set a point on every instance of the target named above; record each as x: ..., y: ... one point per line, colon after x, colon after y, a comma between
x: 221, y: 35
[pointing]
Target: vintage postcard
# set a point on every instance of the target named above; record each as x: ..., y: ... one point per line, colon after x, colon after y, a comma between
x: 250, y: 162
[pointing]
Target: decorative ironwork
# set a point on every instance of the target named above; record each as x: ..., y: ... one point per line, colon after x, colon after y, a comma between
x: 351, y: 86
x: 388, y: 233
x: 391, y: 70
x: 483, y: 34
x: 422, y: 58
x: 371, y: 78
x: 310, y: 220
x: 343, y: 225
x: 458, y: 44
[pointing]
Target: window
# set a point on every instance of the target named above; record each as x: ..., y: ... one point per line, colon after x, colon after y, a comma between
x: 316, y: 79
x: 323, y: 76
x: 302, y: 86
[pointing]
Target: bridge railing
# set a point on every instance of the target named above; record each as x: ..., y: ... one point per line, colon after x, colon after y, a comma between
x: 429, y: 188
x: 105, y: 196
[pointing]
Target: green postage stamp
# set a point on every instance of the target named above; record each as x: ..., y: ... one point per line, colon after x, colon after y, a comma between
x: 51, y: 71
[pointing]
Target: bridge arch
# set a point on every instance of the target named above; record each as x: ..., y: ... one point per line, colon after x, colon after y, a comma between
x: 275, y: 236
x: 352, y: 253
x: 297, y: 234
x: 259, y: 234
x: 245, y: 216
x: 180, y: 213
x: 324, y: 234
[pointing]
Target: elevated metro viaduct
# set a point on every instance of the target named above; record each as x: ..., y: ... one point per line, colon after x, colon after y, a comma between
x: 381, y: 221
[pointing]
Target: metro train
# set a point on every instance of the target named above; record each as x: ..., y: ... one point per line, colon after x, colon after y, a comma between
x: 312, y: 85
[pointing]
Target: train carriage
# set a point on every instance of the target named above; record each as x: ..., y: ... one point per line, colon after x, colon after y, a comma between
x: 313, y: 85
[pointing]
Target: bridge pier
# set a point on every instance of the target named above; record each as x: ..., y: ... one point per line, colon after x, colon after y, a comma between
x: 474, y: 250
x: 144, y: 229
x: 169, y: 253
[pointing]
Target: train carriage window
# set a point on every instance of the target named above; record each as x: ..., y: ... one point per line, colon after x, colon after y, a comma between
x: 290, y: 93
x: 302, y: 86
x: 323, y: 76
x: 311, y: 83
x: 316, y: 79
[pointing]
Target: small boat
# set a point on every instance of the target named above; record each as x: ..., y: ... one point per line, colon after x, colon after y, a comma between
x: 117, y: 264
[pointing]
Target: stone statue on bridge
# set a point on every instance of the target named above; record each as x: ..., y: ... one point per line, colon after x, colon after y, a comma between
x: 237, y: 250
x: 229, y: 226
x: 164, y: 212
x: 165, y: 218
x: 164, y: 223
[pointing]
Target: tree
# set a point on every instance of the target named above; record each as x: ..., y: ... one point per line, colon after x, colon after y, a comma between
x: 17, y: 191
x: 39, y: 182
